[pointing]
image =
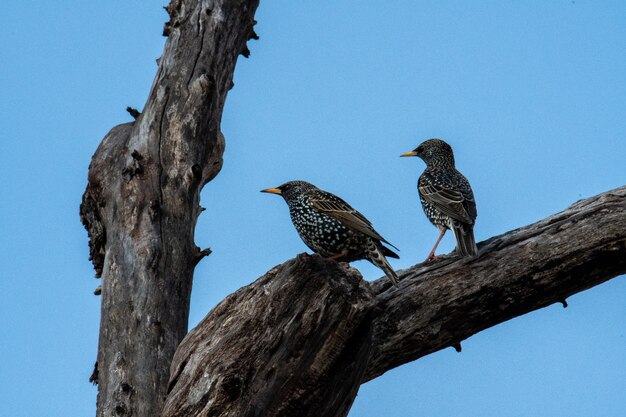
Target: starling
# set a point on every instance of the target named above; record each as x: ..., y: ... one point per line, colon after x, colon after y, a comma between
x: 332, y: 228
x: 446, y: 196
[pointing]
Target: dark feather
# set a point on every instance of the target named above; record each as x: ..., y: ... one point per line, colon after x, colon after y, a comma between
x: 464, y: 234
x: 335, y: 207
x: 453, y: 203
x: 388, y: 252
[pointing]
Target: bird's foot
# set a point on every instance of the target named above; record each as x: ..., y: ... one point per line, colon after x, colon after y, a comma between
x: 337, y: 257
x: 433, y: 258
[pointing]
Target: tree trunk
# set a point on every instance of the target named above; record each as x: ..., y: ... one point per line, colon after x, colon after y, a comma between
x: 141, y: 203
x: 297, y: 341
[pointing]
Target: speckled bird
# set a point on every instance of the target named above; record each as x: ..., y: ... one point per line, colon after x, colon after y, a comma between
x: 332, y: 228
x: 446, y: 196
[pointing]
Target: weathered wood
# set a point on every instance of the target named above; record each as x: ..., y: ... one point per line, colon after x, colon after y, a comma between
x: 252, y: 333
x: 293, y: 343
x: 300, y: 340
x: 141, y: 203
x: 518, y: 272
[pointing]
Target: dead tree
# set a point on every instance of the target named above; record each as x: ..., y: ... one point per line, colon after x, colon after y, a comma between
x: 142, y: 201
x: 300, y: 340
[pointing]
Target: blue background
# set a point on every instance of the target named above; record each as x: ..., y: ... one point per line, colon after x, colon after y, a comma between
x: 531, y: 95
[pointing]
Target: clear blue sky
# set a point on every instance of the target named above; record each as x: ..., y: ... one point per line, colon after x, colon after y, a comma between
x: 531, y: 95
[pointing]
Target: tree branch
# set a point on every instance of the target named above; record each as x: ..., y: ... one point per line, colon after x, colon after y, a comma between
x: 273, y: 348
x: 518, y: 272
x: 287, y: 338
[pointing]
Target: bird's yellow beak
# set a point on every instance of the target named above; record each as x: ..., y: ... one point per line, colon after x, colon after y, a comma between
x: 272, y: 191
x: 411, y: 153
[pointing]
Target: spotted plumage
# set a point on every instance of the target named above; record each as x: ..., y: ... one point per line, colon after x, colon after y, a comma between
x: 446, y: 195
x: 332, y: 228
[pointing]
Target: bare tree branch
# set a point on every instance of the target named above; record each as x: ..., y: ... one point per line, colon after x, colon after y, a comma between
x: 289, y: 337
x: 141, y: 203
x: 300, y: 340
x: 518, y: 272
x: 294, y: 343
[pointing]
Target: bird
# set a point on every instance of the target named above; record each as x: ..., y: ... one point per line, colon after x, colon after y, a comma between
x: 333, y: 229
x: 446, y: 196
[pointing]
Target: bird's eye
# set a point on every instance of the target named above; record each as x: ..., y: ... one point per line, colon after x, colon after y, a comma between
x: 420, y: 149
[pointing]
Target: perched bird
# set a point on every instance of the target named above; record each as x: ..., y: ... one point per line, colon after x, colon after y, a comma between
x: 446, y: 196
x: 332, y: 228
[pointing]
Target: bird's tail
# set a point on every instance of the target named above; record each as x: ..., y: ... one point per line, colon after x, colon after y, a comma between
x: 389, y: 253
x: 377, y: 257
x: 465, y: 243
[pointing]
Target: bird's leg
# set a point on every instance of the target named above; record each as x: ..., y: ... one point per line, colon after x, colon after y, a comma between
x: 431, y: 255
x: 338, y: 256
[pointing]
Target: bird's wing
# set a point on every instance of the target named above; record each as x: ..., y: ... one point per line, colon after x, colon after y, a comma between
x: 336, y: 208
x: 470, y: 204
x: 456, y: 204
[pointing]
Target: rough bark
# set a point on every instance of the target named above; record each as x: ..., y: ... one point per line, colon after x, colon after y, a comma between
x: 301, y: 339
x: 275, y: 349
x: 141, y: 202
x: 296, y: 341
x: 517, y: 272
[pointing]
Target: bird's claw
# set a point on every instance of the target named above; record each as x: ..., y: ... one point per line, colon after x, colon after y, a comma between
x: 433, y: 258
